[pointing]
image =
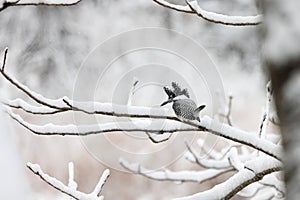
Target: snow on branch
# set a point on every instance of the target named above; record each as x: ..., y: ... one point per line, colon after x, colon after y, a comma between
x: 266, y: 112
x: 159, y: 137
x: 71, y: 189
x: 254, y: 171
x: 272, y: 181
x: 207, y: 124
x: 179, y: 8
x: 194, y: 8
x: 83, y: 130
x: 176, y: 176
x: 8, y: 3
x: 55, y: 104
x: 223, y: 163
x: 47, y: 2
x: 36, y: 110
x: 64, y: 104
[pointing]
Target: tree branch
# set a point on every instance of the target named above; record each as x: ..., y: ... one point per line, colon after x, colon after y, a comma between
x: 192, y: 7
x: 109, y: 109
x: 255, y: 170
x: 178, y: 176
x: 10, y: 3
x: 266, y: 112
x: 228, y: 113
x: 84, y: 130
x: 214, y: 163
x: 70, y: 189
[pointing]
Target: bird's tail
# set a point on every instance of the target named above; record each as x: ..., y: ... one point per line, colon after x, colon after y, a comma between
x: 197, y: 111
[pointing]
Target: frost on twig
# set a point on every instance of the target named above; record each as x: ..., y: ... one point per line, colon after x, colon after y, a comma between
x: 254, y: 171
x: 8, y: 3
x: 266, y: 112
x: 193, y: 7
x: 159, y: 137
x: 249, y: 169
x: 71, y: 188
x: 175, y: 176
x: 219, y: 161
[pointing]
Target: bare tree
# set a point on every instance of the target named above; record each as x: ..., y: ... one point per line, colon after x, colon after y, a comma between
x: 254, y: 159
x: 245, y: 164
x: 281, y: 58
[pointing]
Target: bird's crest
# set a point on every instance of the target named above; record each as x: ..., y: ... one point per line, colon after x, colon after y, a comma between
x: 169, y: 92
x: 177, y: 91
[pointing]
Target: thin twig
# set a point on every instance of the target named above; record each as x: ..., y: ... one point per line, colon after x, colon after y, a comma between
x: 228, y: 114
x: 175, y: 176
x: 4, y: 59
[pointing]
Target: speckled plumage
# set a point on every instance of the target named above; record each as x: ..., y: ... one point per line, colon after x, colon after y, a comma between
x: 185, y: 108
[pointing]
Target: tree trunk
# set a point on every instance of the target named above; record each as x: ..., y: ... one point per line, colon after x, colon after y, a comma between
x: 281, y: 54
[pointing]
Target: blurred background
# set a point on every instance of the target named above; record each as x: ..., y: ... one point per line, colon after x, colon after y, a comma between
x: 47, y: 47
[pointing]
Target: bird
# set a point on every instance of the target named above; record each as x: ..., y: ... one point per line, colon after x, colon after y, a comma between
x: 183, y: 106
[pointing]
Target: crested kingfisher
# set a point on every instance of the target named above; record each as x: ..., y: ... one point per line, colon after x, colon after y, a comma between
x: 183, y: 106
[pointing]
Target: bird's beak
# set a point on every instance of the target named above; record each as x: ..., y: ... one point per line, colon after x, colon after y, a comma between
x: 166, y: 102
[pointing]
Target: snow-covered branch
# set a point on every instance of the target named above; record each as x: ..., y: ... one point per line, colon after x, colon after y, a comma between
x: 71, y: 189
x: 272, y: 181
x: 254, y: 171
x: 32, y: 109
x: 83, y: 130
x: 159, y: 137
x: 266, y: 112
x: 8, y: 3
x: 173, y: 124
x: 194, y: 8
x: 176, y: 176
x: 209, y: 163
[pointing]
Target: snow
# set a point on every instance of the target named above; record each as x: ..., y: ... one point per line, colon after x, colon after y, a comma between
x: 58, y: 103
x: 225, y: 19
x: 101, y: 182
x: 193, y: 7
x: 176, y: 176
x: 241, y: 136
x: 35, y: 168
x: 234, y: 159
x: 48, y: 2
x: 71, y: 184
x: 220, y: 162
x: 72, y: 129
x: 257, y: 165
x: 160, y: 137
x: 20, y: 103
x: 173, y: 6
x: 97, y: 107
x: 272, y: 180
